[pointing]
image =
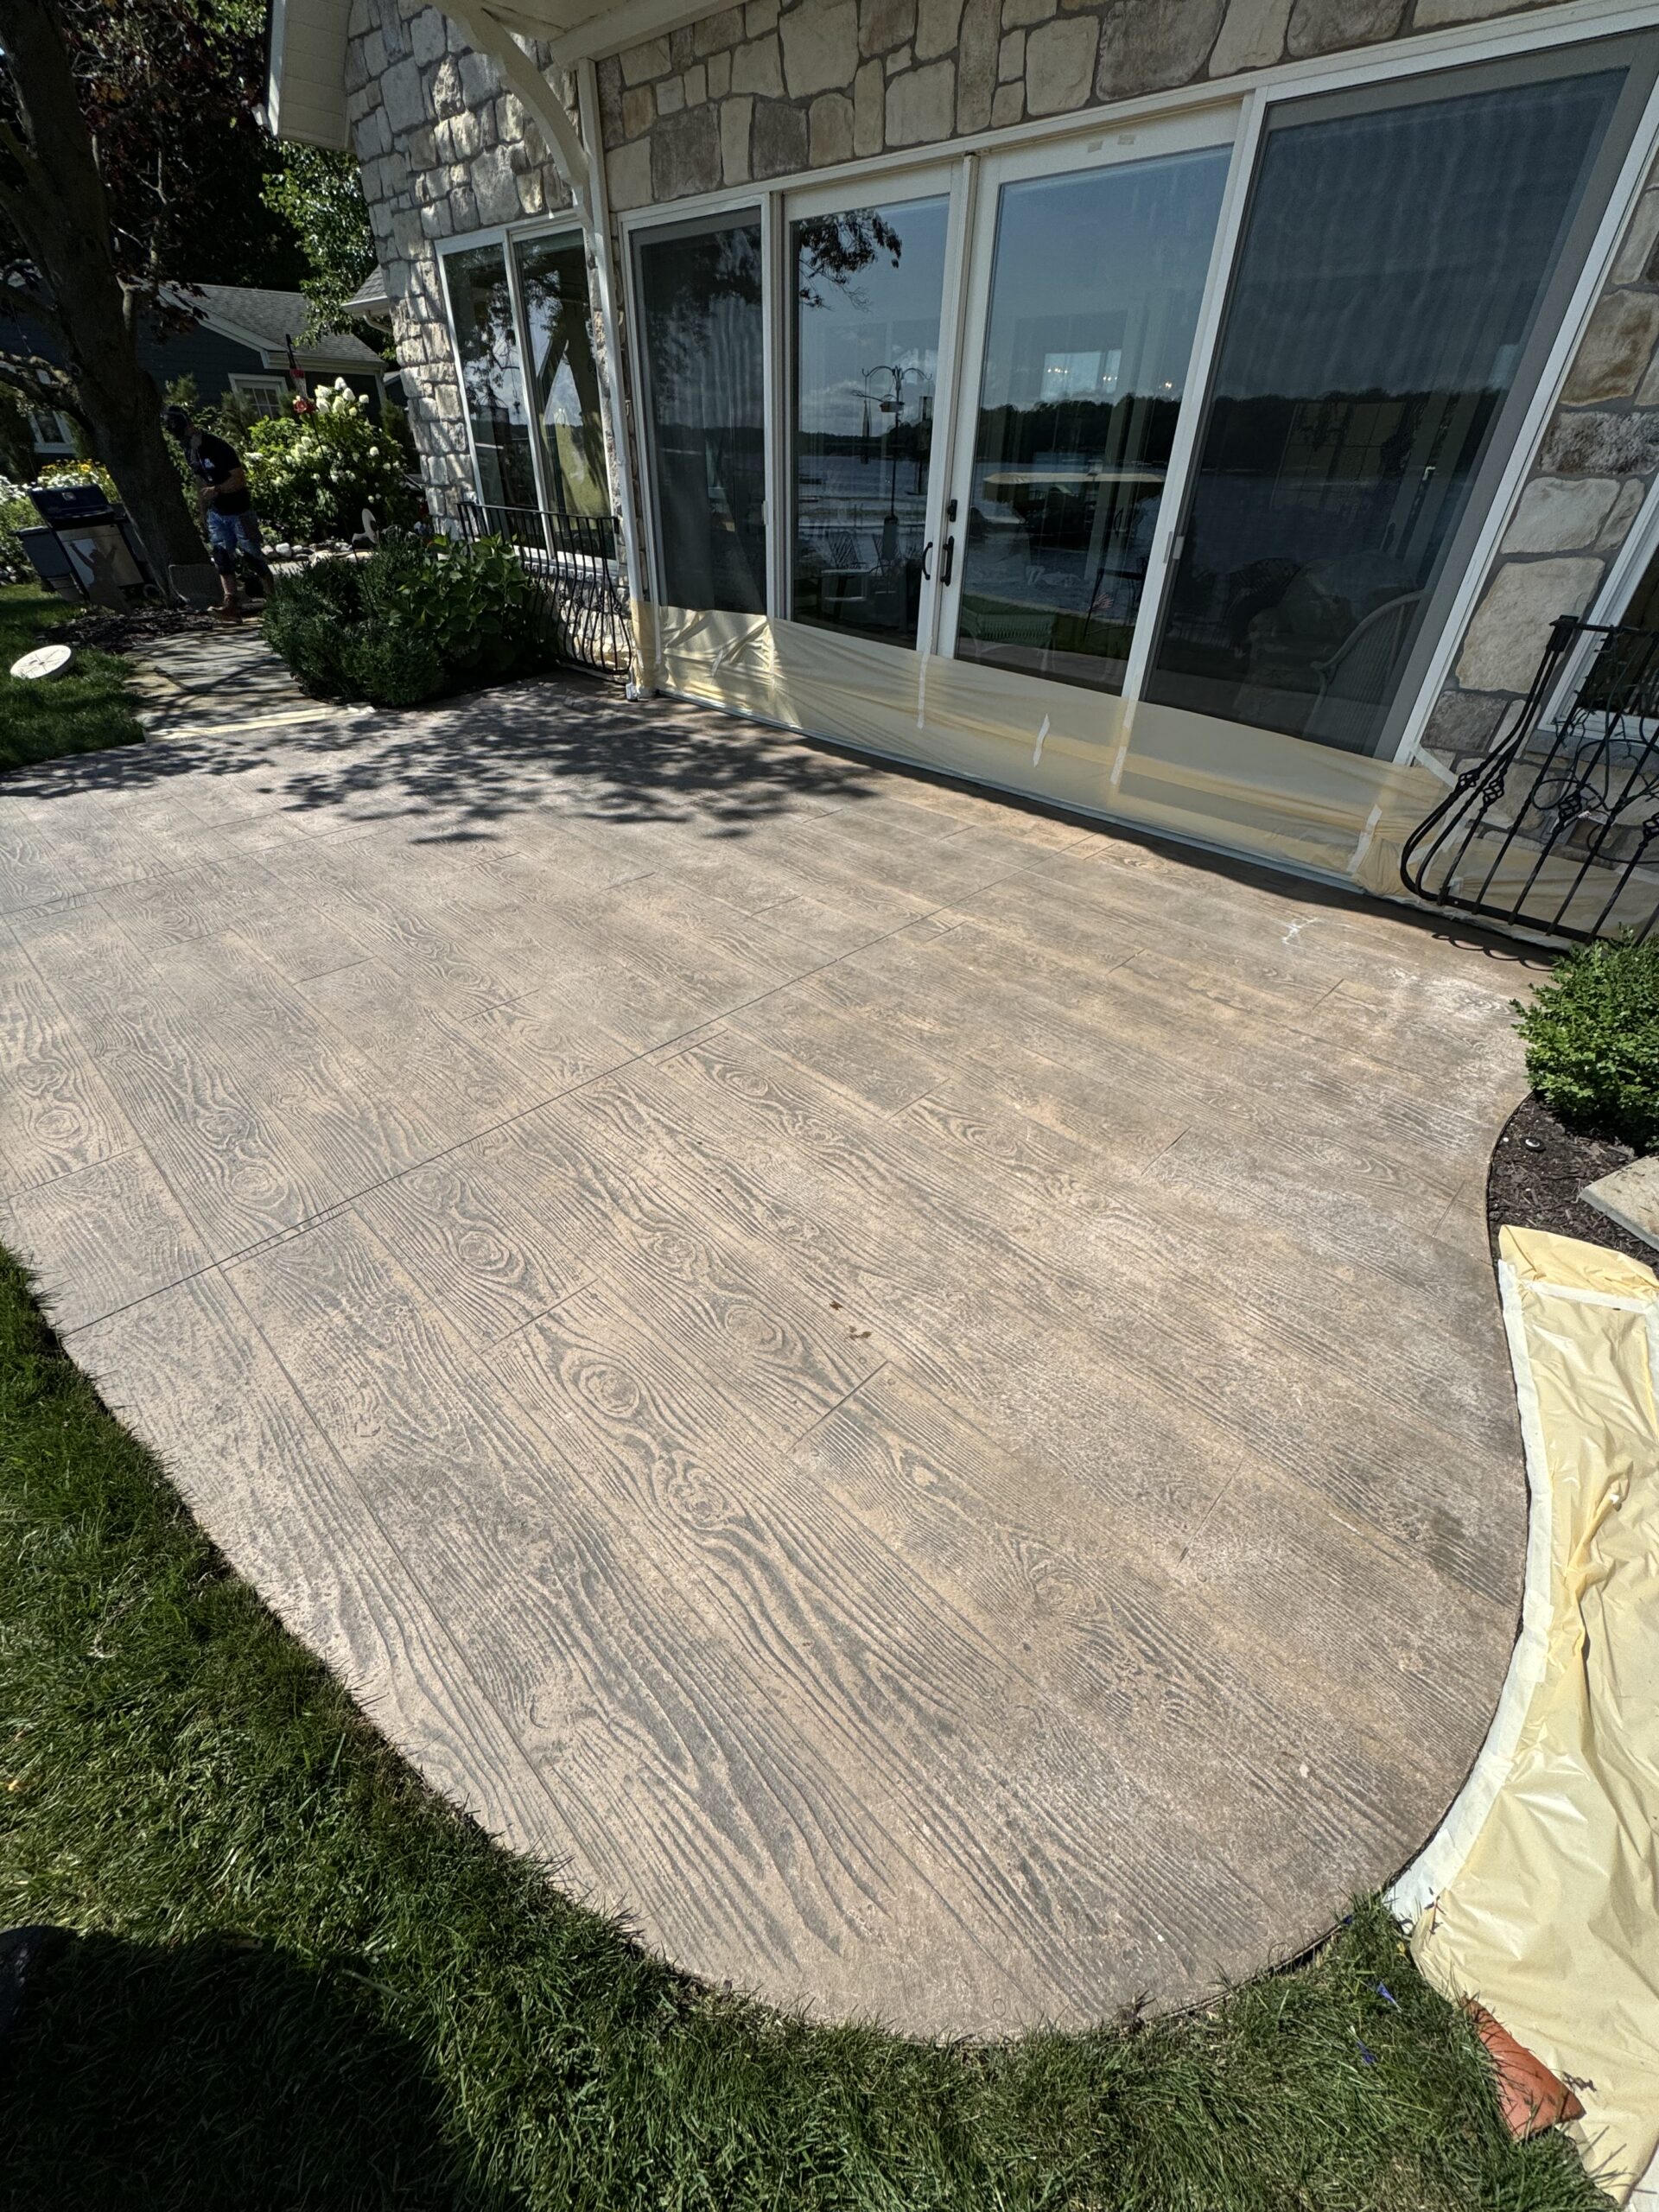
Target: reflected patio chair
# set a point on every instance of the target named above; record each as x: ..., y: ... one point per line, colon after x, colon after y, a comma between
x: 1354, y: 679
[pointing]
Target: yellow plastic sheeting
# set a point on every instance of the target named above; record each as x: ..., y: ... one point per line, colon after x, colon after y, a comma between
x: 1540, y: 1895
x: 1247, y: 791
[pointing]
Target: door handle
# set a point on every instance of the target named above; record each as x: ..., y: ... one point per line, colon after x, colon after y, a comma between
x: 947, y: 560
x: 927, y: 553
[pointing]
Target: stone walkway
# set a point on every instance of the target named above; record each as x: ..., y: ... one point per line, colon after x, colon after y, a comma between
x: 910, y: 1393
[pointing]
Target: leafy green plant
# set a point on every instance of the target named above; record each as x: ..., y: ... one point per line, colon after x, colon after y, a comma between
x: 16, y: 512
x: 414, y: 620
x: 313, y: 471
x: 1591, y: 1035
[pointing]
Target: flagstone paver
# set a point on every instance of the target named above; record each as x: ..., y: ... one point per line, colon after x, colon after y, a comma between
x: 908, y: 1391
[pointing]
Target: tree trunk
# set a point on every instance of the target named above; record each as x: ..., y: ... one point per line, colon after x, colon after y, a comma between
x: 61, y: 213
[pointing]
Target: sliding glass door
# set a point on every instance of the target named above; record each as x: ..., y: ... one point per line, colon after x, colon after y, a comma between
x: 703, y: 347
x: 868, y: 288
x: 1399, y: 248
x: 1096, y: 278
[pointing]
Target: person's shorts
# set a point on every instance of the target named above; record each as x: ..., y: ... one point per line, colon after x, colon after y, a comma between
x: 227, y: 535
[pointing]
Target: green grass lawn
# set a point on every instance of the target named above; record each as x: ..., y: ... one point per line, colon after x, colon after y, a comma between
x: 83, y: 710
x: 297, y: 1980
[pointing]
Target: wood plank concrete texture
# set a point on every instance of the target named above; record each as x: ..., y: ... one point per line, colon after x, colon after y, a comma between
x: 910, y: 1392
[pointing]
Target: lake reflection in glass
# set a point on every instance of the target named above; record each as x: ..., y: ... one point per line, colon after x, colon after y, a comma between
x: 869, y: 285
x: 1095, y: 293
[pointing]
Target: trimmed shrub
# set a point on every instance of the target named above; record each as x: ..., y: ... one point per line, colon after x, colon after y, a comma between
x: 416, y: 618
x: 1591, y: 1035
x: 314, y: 470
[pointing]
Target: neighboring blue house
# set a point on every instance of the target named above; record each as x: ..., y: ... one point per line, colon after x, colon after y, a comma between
x: 246, y: 345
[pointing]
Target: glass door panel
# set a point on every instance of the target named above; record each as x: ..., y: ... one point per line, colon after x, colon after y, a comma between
x: 868, y: 286
x: 1095, y: 283
x: 564, y: 374
x: 491, y: 377
x: 1388, y: 279
x: 703, y: 358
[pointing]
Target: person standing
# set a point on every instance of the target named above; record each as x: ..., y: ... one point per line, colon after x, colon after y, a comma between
x: 224, y: 504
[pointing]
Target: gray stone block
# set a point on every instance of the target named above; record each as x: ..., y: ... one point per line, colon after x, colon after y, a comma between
x: 921, y: 105
x: 685, y: 154
x: 1601, y: 445
x: 869, y: 110
x: 938, y: 26
x: 758, y: 68
x: 427, y: 39
x: 1511, y: 626
x: 883, y: 24
x: 1617, y: 349
x: 1252, y: 36
x: 404, y: 97
x: 820, y: 46
x: 1332, y: 26
x: 1558, y: 514
x: 980, y: 35
x: 1060, y: 65
x: 736, y: 119
x: 1147, y: 46
x: 778, y: 139
x: 829, y: 129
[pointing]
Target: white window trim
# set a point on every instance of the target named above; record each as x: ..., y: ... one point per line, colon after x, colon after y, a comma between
x: 1253, y: 96
x: 252, y: 385
x: 563, y: 224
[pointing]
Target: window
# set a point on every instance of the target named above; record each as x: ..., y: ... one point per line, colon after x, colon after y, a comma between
x: 50, y: 430
x: 269, y: 394
x: 703, y: 347
x: 1095, y: 283
x: 867, y: 285
x: 564, y: 376
x: 1396, y: 253
x: 492, y: 378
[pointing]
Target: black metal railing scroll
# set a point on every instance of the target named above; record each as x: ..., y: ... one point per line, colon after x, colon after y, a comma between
x: 1554, y: 830
x: 577, y: 559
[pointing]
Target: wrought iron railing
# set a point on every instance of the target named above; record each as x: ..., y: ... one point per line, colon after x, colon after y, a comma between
x: 1554, y: 830
x: 576, y: 560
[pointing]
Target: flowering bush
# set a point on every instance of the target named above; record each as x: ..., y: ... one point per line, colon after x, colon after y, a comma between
x: 16, y: 512
x: 416, y: 618
x: 314, y: 470
x: 80, y: 471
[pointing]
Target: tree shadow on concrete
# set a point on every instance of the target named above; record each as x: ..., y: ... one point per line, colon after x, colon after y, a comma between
x: 467, y: 766
x: 214, y: 2076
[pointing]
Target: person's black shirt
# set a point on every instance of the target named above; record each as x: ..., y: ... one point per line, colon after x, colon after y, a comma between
x: 212, y: 460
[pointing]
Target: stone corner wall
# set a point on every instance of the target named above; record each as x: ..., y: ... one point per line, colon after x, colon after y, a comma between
x: 444, y: 150
x: 1593, y: 470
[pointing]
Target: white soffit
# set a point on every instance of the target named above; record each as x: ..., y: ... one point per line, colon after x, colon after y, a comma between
x: 305, y: 95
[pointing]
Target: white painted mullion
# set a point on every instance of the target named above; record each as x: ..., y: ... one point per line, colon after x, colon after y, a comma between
x: 1206, y: 339
x: 629, y: 470
x: 776, y: 296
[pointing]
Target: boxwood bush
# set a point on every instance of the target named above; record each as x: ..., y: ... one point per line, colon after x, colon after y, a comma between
x: 1591, y: 1036
x: 416, y: 618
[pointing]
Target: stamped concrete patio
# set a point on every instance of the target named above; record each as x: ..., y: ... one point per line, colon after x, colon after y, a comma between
x: 909, y: 1393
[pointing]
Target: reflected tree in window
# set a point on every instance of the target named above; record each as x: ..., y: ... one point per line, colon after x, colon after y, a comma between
x: 868, y: 287
x: 491, y: 375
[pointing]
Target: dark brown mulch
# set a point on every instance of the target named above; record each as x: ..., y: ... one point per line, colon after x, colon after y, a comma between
x: 114, y: 631
x: 1539, y: 1166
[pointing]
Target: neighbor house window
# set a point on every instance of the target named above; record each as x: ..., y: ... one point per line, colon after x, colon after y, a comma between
x: 268, y: 395
x: 1396, y: 253
x: 700, y: 298
x: 491, y: 375
x: 1096, y: 285
x: 869, y: 285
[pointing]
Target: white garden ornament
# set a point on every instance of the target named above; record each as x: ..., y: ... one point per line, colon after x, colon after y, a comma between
x: 45, y: 660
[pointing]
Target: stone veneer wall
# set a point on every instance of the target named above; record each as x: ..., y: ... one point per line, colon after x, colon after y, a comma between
x: 773, y: 87
x: 443, y: 151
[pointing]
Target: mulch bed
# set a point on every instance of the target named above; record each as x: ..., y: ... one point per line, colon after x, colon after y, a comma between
x: 113, y: 632
x: 1539, y: 1166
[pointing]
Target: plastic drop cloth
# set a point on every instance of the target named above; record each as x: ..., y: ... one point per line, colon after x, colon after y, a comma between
x: 1310, y: 807
x: 1540, y: 1895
